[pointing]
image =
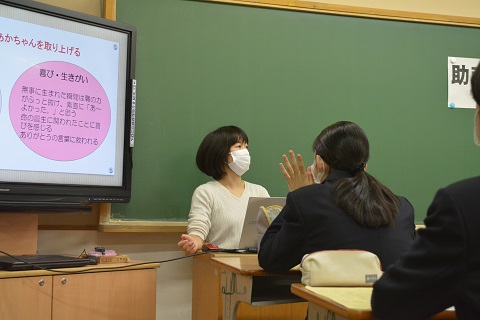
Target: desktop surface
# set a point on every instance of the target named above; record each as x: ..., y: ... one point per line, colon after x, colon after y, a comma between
x: 246, y: 265
x: 347, y: 302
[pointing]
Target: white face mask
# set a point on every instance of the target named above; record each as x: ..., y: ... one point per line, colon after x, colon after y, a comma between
x: 241, y: 161
x: 317, y: 177
x: 476, y: 127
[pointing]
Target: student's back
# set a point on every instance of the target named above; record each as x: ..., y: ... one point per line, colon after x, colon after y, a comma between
x: 443, y: 267
x: 346, y: 208
x: 310, y: 222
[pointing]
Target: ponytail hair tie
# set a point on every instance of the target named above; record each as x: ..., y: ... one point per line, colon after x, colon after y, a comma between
x: 357, y: 168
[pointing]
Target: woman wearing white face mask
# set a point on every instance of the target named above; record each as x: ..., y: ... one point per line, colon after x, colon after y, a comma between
x: 218, y: 207
x: 346, y: 208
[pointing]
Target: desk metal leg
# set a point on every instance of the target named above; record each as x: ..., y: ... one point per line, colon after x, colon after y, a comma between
x: 316, y: 312
x: 235, y: 289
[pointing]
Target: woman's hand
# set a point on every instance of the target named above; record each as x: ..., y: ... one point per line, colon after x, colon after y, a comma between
x: 294, y: 172
x: 190, y: 244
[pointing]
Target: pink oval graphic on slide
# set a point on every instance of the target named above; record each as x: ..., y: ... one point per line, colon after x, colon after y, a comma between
x: 59, y: 111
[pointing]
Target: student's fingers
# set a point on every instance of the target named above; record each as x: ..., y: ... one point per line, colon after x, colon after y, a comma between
x: 301, y: 164
x: 284, y: 172
x: 288, y: 178
x: 293, y: 161
x: 287, y: 166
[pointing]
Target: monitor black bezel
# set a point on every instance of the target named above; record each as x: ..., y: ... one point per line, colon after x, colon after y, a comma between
x: 41, y: 194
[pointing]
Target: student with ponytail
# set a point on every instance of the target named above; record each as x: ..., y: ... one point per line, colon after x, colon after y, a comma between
x: 336, y: 204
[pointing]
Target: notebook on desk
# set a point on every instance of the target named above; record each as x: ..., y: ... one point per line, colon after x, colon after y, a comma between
x: 250, y: 237
x: 43, y: 261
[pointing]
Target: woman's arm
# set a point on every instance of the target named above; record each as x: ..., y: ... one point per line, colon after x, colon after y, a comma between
x: 190, y: 244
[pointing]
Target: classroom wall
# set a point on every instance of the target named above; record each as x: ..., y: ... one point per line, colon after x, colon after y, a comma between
x: 463, y: 8
x: 93, y: 7
x: 174, y: 278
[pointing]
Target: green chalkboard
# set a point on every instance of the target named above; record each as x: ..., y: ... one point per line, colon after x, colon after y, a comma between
x: 282, y: 76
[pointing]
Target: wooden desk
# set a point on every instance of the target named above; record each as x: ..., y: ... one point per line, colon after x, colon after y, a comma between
x: 209, y: 303
x: 344, y: 303
x: 99, y: 294
x: 243, y: 280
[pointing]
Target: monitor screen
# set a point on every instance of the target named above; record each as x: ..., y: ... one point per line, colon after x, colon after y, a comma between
x: 67, y: 105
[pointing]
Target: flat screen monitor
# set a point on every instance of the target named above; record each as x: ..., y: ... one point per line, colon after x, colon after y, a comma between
x: 67, y: 106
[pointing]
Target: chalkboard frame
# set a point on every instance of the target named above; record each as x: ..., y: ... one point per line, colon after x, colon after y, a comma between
x: 354, y: 11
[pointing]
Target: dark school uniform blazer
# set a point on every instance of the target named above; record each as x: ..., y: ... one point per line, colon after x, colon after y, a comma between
x: 310, y: 221
x: 443, y: 267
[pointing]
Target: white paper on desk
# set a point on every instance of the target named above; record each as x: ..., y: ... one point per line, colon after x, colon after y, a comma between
x: 353, y: 298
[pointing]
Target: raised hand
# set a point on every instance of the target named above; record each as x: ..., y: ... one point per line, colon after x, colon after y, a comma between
x: 294, y: 171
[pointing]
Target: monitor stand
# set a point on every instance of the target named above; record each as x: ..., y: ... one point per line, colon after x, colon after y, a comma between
x: 19, y: 233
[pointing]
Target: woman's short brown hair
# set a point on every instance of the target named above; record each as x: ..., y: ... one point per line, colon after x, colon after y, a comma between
x: 213, y: 151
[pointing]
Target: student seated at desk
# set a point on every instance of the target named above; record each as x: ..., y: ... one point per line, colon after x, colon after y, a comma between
x: 336, y: 204
x: 442, y: 269
x: 218, y: 207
